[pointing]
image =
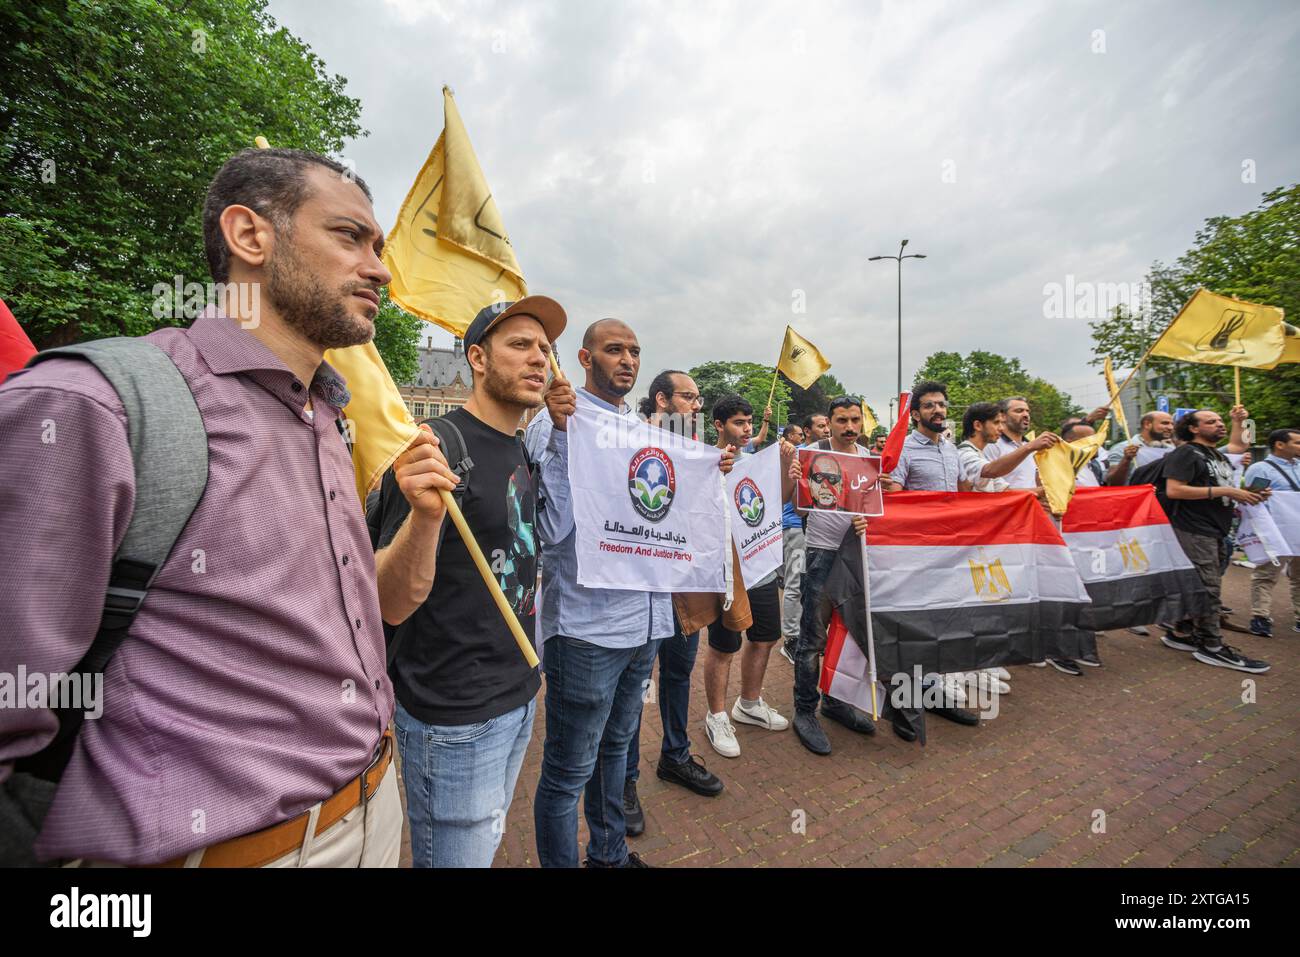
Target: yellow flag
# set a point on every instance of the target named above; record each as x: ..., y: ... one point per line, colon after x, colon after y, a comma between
x: 1059, y: 465
x: 1291, y: 345
x: 1220, y: 330
x: 1116, y: 406
x: 450, y: 257
x: 869, y: 423
x: 801, y: 361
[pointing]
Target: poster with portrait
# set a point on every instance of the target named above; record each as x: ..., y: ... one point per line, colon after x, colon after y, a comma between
x: 839, y: 482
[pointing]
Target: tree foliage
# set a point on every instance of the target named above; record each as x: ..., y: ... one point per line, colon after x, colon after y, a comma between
x: 397, y: 337
x: 1255, y: 257
x: 113, y: 119
x: 988, y: 377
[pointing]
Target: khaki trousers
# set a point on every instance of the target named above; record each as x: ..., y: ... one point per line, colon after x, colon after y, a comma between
x: 1262, y: 580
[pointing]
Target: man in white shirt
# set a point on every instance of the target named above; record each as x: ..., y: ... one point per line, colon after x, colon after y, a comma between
x: 1153, y: 441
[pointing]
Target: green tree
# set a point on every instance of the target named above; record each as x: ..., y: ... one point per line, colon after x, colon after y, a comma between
x: 1255, y: 256
x: 113, y: 119
x: 988, y: 377
x: 749, y: 379
x: 397, y: 337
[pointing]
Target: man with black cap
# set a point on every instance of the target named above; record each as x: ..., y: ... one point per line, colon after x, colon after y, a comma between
x: 465, y: 695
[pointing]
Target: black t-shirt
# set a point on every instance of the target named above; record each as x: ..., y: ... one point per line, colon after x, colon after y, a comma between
x: 456, y: 662
x: 1201, y: 467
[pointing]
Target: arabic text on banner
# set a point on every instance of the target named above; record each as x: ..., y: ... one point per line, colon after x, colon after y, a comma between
x: 839, y: 482
x: 754, y: 497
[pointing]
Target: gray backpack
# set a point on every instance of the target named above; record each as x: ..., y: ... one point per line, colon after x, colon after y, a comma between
x: 169, y: 448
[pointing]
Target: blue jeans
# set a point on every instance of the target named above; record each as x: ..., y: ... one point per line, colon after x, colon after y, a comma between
x: 676, y: 662
x: 593, y: 706
x: 459, y: 782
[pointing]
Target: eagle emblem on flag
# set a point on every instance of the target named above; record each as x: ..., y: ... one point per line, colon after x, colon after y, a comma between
x: 989, y: 579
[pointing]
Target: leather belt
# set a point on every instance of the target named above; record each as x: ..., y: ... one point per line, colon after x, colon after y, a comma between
x: 264, y: 846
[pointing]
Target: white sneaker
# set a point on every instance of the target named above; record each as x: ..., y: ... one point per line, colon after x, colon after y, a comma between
x: 722, y: 735
x: 1000, y: 673
x: 763, y: 715
x: 1038, y: 664
x: 990, y: 682
x: 954, y: 691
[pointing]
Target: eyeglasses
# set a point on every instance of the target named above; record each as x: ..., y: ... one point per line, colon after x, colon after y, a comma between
x: 694, y: 398
x: 825, y: 478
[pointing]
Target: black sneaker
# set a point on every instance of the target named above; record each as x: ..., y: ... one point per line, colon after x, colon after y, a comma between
x: 1139, y: 630
x: 1229, y: 657
x: 1261, y: 627
x: 855, y: 719
x: 633, y: 860
x: 1066, y: 666
x: 690, y: 774
x: 632, y: 812
x: 1297, y: 625
x: 1171, y: 639
x: 810, y: 733
x: 1091, y: 660
x: 787, y: 651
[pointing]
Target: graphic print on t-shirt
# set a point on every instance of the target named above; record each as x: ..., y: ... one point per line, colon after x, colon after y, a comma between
x: 517, y: 569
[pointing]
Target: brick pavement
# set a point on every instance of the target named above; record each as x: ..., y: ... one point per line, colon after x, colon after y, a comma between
x: 1184, y: 772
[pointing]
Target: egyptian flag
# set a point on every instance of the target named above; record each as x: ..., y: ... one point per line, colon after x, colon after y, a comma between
x: 1128, y: 556
x: 961, y: 581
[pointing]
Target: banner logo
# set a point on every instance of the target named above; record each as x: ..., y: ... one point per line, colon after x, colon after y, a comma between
x: 1135, y: 560
x: 651, y: 483
x: 749, y: 502
x: 989, y: 579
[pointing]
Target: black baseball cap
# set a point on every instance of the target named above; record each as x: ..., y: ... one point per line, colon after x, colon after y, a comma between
x: 542, y: 308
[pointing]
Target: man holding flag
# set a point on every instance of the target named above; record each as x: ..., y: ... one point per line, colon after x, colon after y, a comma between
x: 826, y: 529
x: 465, y: 695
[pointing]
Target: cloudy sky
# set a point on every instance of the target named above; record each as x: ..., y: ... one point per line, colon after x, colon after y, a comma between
x: 700, y: 169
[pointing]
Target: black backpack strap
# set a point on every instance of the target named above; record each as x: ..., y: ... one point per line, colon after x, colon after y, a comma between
x: 169, y: 449
x: 1280, y: 471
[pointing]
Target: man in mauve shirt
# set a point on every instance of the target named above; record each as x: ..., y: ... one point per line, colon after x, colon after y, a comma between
x: 245, y: 716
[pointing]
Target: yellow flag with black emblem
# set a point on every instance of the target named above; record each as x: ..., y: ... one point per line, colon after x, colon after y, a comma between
x: 1219, y: 330
x: 1059, y: 465
x: 801, y: 361
x: 450, y: 257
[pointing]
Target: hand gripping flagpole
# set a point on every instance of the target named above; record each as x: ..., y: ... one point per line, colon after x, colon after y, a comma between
x: 871, y: 640
x: 476, y: 553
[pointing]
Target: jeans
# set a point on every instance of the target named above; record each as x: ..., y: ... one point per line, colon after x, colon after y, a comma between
x: 792, y: 608
x: 1203, y: 552
x: 676, y: 662
x: 812, y: 630
x: 459, y: 783
x: 593, y: 707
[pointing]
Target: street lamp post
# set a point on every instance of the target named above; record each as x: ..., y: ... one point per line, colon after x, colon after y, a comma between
x: 899, y: 259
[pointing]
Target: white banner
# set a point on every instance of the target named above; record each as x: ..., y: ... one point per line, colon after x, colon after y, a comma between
x: 647, y: 505
x: 1258, y: 535
x: 754, y: 497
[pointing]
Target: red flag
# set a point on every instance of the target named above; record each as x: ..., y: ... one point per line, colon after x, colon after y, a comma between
x: 894, y: 444
x: 15, y: 347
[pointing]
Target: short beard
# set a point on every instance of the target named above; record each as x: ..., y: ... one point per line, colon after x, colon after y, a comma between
x: 308, y: 309
x: 606, y: 384
x: 500, y: 389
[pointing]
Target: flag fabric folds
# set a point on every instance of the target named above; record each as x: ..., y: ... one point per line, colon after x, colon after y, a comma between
x: 450, y: 257
x: 894, y: 441
x: 1059, y: 466
x: 801, y: 361
x: 845, y: 674
x: 1220, y: 330
x: 961, y: 581
x: 15, y: 347
x: 1116, y: 406
x: 1129, y: 558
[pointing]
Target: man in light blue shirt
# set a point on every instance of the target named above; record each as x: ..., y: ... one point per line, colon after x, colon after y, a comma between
x: 1281, y: 469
